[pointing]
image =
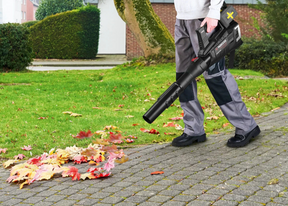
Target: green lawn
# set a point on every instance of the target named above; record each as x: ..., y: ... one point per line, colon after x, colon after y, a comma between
x: 27, y: 96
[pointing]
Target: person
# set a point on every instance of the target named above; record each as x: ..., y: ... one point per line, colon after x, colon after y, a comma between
x: 192, y: 14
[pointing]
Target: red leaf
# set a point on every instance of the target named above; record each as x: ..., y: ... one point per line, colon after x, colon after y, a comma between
x: 115, y: 138
x: 83, y: 134
x: 176, y: 118
x: 135, y: 124
x: 152, y: 131
x: 79, y: 159
x: 226, y: 124
x: 35, y: 161
x: 113, y: 148
x: 92, y: 170
x: 121, y: 105
x: 72, y: 172
x: 157, y: 173
x: 182, y: 114
x: 129, y: 140
x: 3, y: 150
x: 133, y: 137
x: 144, y: 130
x: 169, y: 124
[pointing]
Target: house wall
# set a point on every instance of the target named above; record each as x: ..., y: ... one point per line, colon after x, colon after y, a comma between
x: 24, y: 10
x: 167, y: 14
x: 11, y: 11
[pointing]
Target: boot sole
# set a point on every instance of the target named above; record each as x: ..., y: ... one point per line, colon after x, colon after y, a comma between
x: 201, y: 138
x: 254, y: 133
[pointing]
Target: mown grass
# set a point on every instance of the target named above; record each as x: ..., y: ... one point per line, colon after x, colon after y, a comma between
x: 25, y: 97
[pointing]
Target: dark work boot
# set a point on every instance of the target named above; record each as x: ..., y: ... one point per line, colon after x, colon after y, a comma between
x: 186, y: 140
x: 243, y: 140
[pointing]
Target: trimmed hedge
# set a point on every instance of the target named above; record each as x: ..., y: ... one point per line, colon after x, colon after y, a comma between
x: 68, y: 35
x: 15, y: 47
x: 29, y: 23
x: 267, y: 57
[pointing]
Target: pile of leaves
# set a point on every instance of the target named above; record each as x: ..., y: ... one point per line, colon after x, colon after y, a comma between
x: 101, y: 155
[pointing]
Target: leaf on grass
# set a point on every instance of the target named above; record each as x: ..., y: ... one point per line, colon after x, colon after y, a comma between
x: 176, y: 118
x: 133, y: 137
x: 96, y: 108
x: 129, y: 140
x: 83, y: 134
x: 19, y: 156
x: 42, y: 118
x: 135, y: 124
x: 3, y: 150
x: 212, y: 118
x: 226, y: 124
x: 152, y: 131
x: 75, y: 115
x: 170, y: 124
x: 115, y: 138
x: 275, y: 109
x: 26, y: 148
x: 102, y: 133
x: 157, y: 173
x: 129, y: 116
x: 112, y: 148
x: 182, y: 114
x: 67, y: 112
x: 109, y: 127
x: 121, y: 105
x: 169, y: 133
x: 122, y: 160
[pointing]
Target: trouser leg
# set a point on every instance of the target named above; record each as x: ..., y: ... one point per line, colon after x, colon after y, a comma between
x: 185, y: 50
x: 226, y: 93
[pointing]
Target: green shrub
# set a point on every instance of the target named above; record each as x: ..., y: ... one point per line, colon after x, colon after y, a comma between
x: 265, y: 56
x: 15, y: 47
x: 50, y: 7
x: 68, y: 35
x: 29, y: 23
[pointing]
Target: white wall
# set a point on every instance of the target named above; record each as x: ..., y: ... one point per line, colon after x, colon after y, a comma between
x: 11, y: 11
x: 112, y: 29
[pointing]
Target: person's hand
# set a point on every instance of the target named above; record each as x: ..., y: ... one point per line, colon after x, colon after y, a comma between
x: 211, y: 23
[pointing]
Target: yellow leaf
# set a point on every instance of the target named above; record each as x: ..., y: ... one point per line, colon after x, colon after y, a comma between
x: 24, y: 183
x: 92, y: 163
x: 67, y: 112
x: 75, y: 115
x: 87, y: 175
x: 122, y: 160
x: 9, y: 163
x: 110, y: 127
x: 51, y: 161
x: 100, y: 141
x: 46, y: 175
x: 129, y: 116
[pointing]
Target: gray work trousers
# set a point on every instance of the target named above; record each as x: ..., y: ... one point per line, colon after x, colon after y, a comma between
x: 219, y: 80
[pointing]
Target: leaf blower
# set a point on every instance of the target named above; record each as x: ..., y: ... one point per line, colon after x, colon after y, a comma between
x: 225, y: 39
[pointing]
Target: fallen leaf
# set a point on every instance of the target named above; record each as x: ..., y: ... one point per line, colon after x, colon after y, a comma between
x: 170, y: 124
x: 109, y: 127
x: 169, y: 133
x: 152, y: 131
x: 75, y: 115
x: 275, y: 109
x: 121, y: 105
x: 19, y: 156
x: 92, y: 163
x: 101, y: 141
x: 79, y: 159
x: 176, y: 118
x: 157, y: 173
x: 115, y: 138
x: 133, y: 137
x: 9, y: 163
x: 129, y: 140
x: 72, y: 172
x: 67, y: 112
x: 226, y: 124
x: 129, y: 116
x: 122, y: 160
x: 42, y: 118
x: 83, y: 134
x: 27, y: 148
x: 3, y: 150
x: 212, y: 118
x: 135, y: 124
x: 96, y: 107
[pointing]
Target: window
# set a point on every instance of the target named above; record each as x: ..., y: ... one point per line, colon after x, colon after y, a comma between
x: 24, y: 15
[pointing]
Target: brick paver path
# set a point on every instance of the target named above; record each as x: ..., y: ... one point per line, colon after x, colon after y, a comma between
x: 208, y: 173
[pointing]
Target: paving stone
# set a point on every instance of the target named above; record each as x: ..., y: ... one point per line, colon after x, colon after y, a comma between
x: 112, y: 189
x: 157, y: 187
x: 78, y: 187
x: 41, y: 203
x: 122, y: 184
x: 55, y: 198
x: 199, y: 203
x: 267, y: 193
x: 90, y: 190
x: 247, y: 203
x: 12, y: 202
x: 208, y: 197
x: 192, y: 192
x: 89, y: 201
x: 225, y: 203
x: 169, y: 192
x: 173, y: 203
x: 242, y: 192
x: 280, y: 200
x: 112, y: 200
x: 144, y: 183
x: 150, y: 204
x: 100, y: 195
x: 274, y: 204
x: 33, y: 200
x: 275, y: 188
x: 238, y: 198
x: 259, y: 199
x: 5, y: 197
x: 102, y: 185
x: 159, y: 198
x: 147, y: 193
x: 25, y: 195
x: 65, y: 202
x: 126, y: 204
x: 46, y: 193
x: 184, y: 198
x: 133, y: 188
x: 59, y: 187
x: 179, y: 187
x: 67, y: 192
x: 136, y: 199
x: 216, y: 191
x: 77, y: 196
